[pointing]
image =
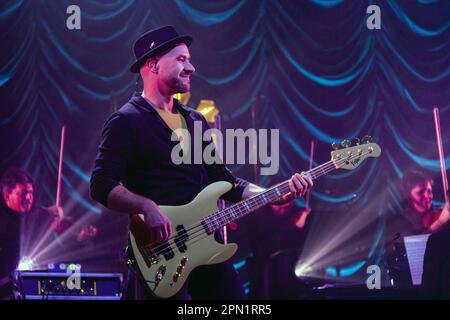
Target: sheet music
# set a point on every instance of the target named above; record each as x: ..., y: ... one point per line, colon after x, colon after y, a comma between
x: 415, y: 250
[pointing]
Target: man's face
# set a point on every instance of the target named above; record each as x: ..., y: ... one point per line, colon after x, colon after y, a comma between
x: 20, y: 198
x: 174, y: 70
x: 421, y: 196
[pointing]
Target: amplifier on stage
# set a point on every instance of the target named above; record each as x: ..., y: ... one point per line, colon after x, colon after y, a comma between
x: 72, y: 285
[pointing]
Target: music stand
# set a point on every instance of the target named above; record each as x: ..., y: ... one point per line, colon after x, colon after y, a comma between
x: 415, y: 250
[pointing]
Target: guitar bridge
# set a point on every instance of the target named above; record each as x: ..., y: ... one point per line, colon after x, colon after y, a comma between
x: 150, y: 255
x: 164, y: 250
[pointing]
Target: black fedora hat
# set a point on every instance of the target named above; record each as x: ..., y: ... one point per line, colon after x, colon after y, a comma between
x: 156, y: 41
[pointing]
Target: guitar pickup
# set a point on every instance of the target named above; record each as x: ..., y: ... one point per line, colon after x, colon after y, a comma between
x: 167, y: 251
x: 181, y: 238
x: 163, y: 249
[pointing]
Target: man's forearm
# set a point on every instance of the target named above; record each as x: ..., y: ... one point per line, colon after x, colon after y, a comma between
x: 157, y: 223
x: 251, y: 190
x: 122, y: 200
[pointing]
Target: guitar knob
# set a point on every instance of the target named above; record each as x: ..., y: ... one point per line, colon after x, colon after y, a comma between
x: 356, y: 141
x: 180, y: 269
x: 183, y: 261
x: 160, y: 274
x: 176, y: 276
x: 367, y: 139
x: 346, y: 143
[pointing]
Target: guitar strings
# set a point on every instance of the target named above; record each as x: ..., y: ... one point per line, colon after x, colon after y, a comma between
x: 252, y: 207
x: 199, y: 237
x: 215, y: 217
x: 199, y: 234
x: 163, y: 249
x: 271, y: 189
x: 236, y: 207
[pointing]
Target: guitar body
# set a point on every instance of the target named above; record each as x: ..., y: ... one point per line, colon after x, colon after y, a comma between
x: 165, y: 267
x: 199, y: 249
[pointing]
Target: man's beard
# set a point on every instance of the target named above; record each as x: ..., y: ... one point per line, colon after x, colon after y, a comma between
x: 177, y: 85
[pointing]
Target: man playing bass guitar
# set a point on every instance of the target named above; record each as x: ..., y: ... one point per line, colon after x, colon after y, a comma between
x: 134, y: 173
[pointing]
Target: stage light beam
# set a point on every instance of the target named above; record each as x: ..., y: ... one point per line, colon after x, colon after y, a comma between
x: 302, y: 269
x: 25, y: 264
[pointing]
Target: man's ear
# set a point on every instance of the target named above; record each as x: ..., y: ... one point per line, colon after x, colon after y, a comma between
x: 153, y: 65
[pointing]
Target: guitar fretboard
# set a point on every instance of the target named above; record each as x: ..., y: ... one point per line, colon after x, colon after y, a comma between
x: 221, y: 218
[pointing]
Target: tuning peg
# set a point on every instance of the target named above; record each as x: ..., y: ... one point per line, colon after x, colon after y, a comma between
x: 335, y: 146
x: 367, y: 139
x: 346, y: 143
x: 356, y: 141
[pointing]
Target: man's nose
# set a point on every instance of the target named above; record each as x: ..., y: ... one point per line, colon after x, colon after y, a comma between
x: 189, y: 68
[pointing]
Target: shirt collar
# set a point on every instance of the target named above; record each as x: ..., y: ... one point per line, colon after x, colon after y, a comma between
x: 142, y: 103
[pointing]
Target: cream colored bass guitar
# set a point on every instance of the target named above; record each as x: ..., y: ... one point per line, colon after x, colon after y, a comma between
x: 166, y: 266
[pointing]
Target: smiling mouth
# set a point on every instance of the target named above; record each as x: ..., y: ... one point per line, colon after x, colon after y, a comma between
x: 26, y: 205
x: 427, y: 203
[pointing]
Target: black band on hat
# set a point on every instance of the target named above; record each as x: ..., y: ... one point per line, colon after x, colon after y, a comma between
x: 154, y: 42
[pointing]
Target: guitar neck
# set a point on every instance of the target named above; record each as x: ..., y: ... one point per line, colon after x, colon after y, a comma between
x: 221, y: 218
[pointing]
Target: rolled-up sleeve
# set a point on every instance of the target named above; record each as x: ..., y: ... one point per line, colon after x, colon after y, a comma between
x: 113, y: 155
x: 219, y: 172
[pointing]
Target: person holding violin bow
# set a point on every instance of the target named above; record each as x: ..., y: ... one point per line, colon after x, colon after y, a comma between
x: 436, y: 265
x: 418, y: 216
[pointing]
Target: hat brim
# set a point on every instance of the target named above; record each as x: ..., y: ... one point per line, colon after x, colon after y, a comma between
x: 136, y: 66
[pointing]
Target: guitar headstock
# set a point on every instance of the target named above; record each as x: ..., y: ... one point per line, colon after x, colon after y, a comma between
x: 349, y: 157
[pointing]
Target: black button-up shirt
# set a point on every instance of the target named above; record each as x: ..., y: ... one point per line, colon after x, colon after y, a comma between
x: 136, y: 151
